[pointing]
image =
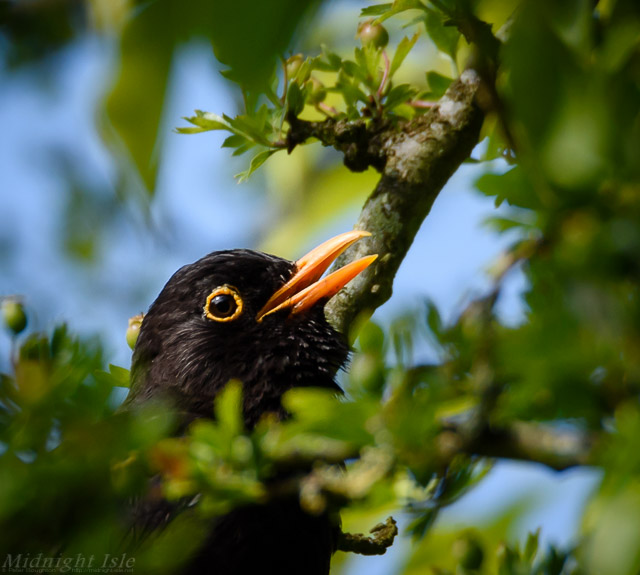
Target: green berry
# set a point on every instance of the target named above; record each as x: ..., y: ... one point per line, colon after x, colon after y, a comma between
x: 134, y: 329
x: 13, y: 315
x: 371, y: 33
x: 317, y: 91
x: 293, y: 64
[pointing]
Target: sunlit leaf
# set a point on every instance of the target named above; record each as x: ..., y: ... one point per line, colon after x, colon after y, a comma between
x: 205, y: 121
x: 402, y: 51
x: 384, y: 11
x: 116, y: 376
x: 228, y: 409
x: 256, y: 162
x: 375, y: 10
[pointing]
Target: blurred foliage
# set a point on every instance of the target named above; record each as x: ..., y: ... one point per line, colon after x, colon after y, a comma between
x: 59, y: 438
x: 564, y: 118
x: 147, y: 47
x: 149, y: 33
x: 30, y: 31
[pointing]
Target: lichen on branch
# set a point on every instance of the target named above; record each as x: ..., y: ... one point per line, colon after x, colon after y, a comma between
x: 416, y: 159
x: 382, y: 537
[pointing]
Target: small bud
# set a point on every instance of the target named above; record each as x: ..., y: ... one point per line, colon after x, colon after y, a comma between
x: 13, y: 315
x: 293, y: 64
x: 317, y: 91
x: 134, y: 329
x: 370, y: 33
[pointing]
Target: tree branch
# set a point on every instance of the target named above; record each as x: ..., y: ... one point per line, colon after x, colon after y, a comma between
x: 382, y: 539
x: 419, y: 160
x: 554, y: 447
x: 361, y: 141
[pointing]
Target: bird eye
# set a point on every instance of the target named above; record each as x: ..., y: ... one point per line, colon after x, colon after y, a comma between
x: 223, y: 304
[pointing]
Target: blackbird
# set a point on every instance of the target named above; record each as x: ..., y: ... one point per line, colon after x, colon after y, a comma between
x: 259, y: 319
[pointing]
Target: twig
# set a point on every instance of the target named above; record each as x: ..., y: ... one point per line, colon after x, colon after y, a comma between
x: 382, y: 539
x: 422, y: 104
x: 328, y: 111
x: 385, y: 74
x: 549, y: 445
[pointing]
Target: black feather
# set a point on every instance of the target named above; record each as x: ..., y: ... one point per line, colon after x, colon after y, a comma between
x: 186, y: 358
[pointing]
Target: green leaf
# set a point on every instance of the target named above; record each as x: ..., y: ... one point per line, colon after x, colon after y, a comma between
x: 120, y: 374
x: 350, y: 91
x: 295, y: 99
x: 504, y: 224
x: 423, y: 522
x: 256, y: 162
x: 204, y: 122
x: 445, y: 38
x: 403, y: 49
x: 234, y: 141
x: 620, y: 43
x: 531, y: 546
x: 361, y: 61
x: 357, y: 71
x: 304, y: 73
x: 115, y: 377
x: 249, y: 36
x: 254, y: 127
x: 136, y: 101
x: 375, y: 10
x: 371, y: 338
x: 438, y: 84
x: 319, y: 411
x: 512, y: 186
x: 434, y: 320
x: 369, y: 59
x: 384, y: 11
x: 228, y: 410
x: 330, y: 59
x: 399, y: 95
x: 496, y: 146
x: 243, y: 148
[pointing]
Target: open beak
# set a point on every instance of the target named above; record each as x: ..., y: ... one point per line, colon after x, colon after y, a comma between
x: 306, y: 287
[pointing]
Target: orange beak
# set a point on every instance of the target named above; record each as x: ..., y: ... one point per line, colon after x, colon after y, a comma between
x: 306, y: 287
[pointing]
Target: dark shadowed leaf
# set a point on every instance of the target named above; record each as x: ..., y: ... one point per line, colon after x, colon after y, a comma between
x: 438, y: 84
x: 445, y: 37
x: 137, y: 99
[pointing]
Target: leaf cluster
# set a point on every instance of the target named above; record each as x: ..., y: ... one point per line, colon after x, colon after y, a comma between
x: 356, y: 89
x: 69, y: 461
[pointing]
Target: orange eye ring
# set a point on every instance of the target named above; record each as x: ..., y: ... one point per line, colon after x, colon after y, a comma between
x: 223, y: 304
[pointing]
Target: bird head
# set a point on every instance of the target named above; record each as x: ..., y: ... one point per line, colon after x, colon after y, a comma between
x: 244, y: 315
